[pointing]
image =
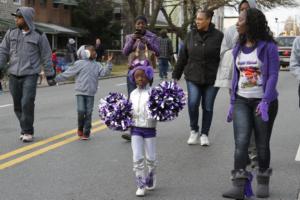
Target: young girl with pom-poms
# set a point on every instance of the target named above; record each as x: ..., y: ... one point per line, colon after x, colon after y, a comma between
x: 143, y: 132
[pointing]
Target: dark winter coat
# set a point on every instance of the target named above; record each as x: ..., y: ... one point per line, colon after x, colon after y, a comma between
x: 199, y: 56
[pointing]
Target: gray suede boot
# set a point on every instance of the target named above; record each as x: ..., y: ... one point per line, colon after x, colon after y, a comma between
x: 239, y: 179
x: 263, y: 179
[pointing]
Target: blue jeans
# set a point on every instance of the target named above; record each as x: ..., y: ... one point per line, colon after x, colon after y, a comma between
x: 23, y: 91
x: 85, y: 106
x: 208, y: 94
x: 245, y: 120
x: 163, y: 67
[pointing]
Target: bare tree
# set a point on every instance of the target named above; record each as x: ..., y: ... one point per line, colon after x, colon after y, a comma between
x: 188, y: 9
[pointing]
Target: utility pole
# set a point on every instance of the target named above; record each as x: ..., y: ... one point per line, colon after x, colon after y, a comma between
x: 277, y: 31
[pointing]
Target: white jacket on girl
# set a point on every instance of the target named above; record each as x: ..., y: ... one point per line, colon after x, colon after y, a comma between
x: 139, y: 98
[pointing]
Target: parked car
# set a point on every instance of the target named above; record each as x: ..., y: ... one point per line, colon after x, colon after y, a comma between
x: 285, y: 44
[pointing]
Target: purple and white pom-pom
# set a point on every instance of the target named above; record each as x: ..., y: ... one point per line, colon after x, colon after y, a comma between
x: 115, y: 110
x: 166, y: 101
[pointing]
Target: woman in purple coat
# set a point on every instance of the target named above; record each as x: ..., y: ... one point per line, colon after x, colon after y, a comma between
x: 139, y: 39
x: 254, y: 103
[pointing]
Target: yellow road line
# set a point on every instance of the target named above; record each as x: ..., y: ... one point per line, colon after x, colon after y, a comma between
x: 44, y: 150
x: 40, y: 143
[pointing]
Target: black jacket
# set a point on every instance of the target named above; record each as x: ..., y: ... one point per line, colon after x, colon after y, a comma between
x: 199, y: 57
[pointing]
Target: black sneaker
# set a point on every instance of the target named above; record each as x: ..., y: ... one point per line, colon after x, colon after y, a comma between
x: 126, y: 136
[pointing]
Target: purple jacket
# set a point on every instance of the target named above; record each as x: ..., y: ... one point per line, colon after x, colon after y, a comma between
x: 268, y: 54
x: 151, y: 40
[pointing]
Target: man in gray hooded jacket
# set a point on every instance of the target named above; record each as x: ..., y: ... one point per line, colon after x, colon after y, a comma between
x: 25, y: 49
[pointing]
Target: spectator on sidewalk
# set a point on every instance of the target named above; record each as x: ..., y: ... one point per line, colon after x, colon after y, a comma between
x: 165, y: 54
x: 54, y: 60
x: 25, y: 48
x: 71, y: 56
x: 99, y: 50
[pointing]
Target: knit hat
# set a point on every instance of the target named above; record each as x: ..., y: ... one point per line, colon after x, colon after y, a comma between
x: 141, y: 17
x: 141, y: 65
x: 71, y: 41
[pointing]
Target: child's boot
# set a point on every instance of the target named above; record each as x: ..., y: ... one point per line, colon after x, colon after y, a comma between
x: 263, y: 179
x: 239, y: 179
x: 140, y: 183
x: 138, y: 167
x: 151, y: 181
x: 151, y: 177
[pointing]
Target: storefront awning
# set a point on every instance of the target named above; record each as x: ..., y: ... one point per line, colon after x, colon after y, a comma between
x: 51, y: 29
x: 66, y: 2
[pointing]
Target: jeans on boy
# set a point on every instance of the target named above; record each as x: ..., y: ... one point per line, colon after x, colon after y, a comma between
x: 85, y: 106
x: 163, y: 67
x: 245, y: 119
x: 208, y: 94
x: 23, y: 91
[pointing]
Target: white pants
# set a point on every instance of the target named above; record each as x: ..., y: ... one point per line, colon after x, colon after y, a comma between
x: 141, y: 146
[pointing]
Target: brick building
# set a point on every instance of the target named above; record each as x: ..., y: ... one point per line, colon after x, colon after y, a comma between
x: 51, y: 16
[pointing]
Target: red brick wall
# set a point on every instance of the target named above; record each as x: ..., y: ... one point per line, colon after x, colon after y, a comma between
x: 50, y: 14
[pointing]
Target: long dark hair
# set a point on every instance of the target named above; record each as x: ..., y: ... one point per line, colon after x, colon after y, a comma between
x: 257, y: 27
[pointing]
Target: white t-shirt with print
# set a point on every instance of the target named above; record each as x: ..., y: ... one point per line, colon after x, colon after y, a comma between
x: 250, y: 80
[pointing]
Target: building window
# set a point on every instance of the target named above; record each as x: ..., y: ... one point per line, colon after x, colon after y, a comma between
x: 18, y: 2
x: 55, y: 5
x: 30, y: 2
x: 43, y: 3
x: 66, y: 7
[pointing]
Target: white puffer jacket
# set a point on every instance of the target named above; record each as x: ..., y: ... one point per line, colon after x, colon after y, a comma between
x: 141, y: 117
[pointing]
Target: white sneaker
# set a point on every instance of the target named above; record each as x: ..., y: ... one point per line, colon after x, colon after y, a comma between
x: 140, y: 192
x: 27, y: 138
x: 204, y: 140
x: 194, y: 138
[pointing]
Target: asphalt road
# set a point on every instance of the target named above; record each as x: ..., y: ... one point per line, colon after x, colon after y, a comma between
x: 59, y: 167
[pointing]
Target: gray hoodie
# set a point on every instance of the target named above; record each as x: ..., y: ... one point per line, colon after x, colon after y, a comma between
x: 86, y: 73
x: 25, y: 52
